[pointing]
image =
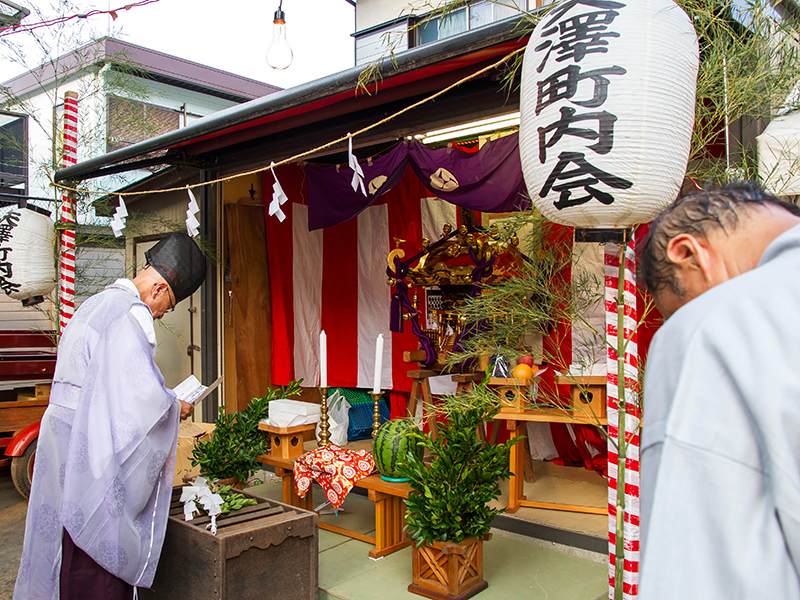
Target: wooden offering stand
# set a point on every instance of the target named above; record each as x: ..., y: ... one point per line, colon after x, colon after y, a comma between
x: 587, y: 393
x: 387, y: 496
x: 420, y: 386
x: 286, y: 443
x: 517, y: 416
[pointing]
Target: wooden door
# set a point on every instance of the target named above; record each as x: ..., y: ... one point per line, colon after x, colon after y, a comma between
x: 250, y: 300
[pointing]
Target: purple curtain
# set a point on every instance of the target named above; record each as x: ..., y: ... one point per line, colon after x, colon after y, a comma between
x: 331, y: 199
x: 489, y: 180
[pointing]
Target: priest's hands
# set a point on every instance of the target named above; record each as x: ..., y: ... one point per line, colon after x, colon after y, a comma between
x: 187, y: 409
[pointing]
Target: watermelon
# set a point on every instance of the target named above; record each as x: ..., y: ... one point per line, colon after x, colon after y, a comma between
x: 391, y: 443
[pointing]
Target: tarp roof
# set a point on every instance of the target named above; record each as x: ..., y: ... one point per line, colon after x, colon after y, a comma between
x: 420, y: 70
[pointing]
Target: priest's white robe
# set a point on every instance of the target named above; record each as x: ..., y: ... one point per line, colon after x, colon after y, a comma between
x: 106, y: 450
x: 720, y: 503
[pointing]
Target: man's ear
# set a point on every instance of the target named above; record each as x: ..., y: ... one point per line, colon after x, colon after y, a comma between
x: 155, y: 290
x: 687, y: 252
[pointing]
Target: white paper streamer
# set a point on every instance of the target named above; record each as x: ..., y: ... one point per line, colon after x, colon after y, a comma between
x: 278, y: 198
x: 118, y: 221
x: 358, y: 174
x: 192, y: 224
x: 201, y: 494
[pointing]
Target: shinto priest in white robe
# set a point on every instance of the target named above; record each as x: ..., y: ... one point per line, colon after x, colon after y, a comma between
x: 106, y: 449
x: 721, y: 441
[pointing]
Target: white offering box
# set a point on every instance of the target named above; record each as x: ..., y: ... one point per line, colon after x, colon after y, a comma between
x: 295, y: 407
x: 290, y: 413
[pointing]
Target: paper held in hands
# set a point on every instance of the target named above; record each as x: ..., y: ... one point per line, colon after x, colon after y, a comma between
x: 192, y: 391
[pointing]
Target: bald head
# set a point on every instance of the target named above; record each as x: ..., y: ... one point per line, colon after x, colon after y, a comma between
x: 154, y: 291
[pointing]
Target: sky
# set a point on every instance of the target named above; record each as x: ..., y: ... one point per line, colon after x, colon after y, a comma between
x: 232, y: 35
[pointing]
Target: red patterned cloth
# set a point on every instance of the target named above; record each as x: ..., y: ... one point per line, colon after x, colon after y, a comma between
x: 336, y: 469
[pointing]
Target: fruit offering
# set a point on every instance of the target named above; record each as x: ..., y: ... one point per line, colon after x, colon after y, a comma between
x: 522, y: 371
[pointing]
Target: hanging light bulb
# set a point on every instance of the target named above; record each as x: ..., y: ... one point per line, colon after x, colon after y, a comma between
x: 279, y: 54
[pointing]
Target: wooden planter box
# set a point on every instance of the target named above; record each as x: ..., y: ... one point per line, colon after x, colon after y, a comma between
x: 448, y: 570
x: 265, y: 551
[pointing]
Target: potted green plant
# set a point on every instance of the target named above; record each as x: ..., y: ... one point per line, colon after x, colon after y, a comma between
x: 449, y: 516
x: 231, y: 455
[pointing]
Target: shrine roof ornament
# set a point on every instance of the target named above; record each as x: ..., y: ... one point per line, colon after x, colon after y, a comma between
x: 607, y: 110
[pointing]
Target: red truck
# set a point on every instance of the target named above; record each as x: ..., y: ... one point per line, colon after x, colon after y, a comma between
x: 27, y: 365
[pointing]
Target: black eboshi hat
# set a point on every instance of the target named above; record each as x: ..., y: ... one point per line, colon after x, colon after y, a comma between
x: 180, y: 262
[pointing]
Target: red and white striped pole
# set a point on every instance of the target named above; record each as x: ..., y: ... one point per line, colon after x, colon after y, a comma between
x: 66, y: 270
x: 631, y: 419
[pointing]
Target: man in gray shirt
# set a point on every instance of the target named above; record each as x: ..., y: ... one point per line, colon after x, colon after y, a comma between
x: 720, y: 495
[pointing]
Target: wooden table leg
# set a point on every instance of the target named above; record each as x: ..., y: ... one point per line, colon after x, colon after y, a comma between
x: 389, y: 521
x: 517, y: 459
x: 412, y: 398
x: 427, y: 402
x: 495, y: 433
x: 526, y: 455
x: 289, y: 491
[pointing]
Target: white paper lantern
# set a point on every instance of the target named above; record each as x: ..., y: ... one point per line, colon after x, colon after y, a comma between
x: 607, y: 103
x: 27, y: 263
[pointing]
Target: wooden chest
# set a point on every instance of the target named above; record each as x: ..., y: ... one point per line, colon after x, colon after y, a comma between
x: 265, y: 551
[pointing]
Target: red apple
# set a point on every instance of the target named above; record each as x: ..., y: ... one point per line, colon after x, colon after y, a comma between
x: 525, y: 359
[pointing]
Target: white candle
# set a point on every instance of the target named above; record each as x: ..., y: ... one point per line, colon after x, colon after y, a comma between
x: 376, y: 382
x: 323, y: 359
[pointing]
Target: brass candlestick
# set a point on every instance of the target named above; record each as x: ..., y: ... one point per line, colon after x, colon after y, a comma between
x: 324, y: 435
x: 376, y: 412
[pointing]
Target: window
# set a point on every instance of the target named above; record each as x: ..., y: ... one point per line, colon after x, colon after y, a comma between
x: 13, y: 153
x: 473, y: 16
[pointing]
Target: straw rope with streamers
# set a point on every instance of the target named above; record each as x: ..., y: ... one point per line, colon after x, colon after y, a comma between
x: 297, y: 157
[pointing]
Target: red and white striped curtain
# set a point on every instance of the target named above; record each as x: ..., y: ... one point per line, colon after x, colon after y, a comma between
x: 66, y: 277
x: 334, y: 279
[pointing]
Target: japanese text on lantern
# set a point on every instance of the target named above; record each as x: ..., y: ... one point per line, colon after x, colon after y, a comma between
x: 567, y: 39
x: 7, y: 224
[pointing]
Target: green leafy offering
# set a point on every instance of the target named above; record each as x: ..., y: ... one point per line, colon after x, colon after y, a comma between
x: 233, y: 500
x: 453, y: 493
x: 237, y: 443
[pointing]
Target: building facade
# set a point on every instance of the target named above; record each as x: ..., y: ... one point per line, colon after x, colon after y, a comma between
x: 385, y: 28
x: 126, y: 94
